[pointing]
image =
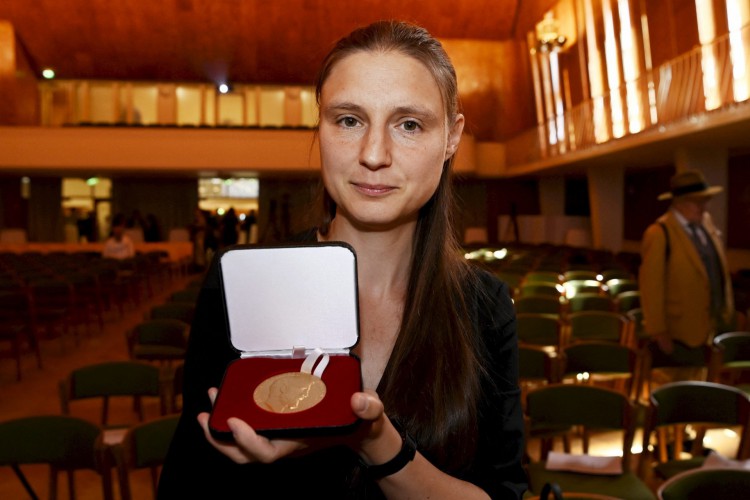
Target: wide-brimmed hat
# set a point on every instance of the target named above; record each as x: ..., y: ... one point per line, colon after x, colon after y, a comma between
x: 689, y: 183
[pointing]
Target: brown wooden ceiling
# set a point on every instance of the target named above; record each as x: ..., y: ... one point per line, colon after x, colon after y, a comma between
x: 263, y: 41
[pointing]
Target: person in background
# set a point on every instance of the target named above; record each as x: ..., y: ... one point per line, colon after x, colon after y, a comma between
x: 119, y: 245
x: 229, y: 228
x: 440, y: 411
x: 686, y: 289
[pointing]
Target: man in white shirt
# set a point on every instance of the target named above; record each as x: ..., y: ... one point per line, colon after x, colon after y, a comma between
x: 118, y: 245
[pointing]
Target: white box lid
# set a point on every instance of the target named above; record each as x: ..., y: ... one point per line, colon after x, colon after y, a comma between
x: 284, y: 298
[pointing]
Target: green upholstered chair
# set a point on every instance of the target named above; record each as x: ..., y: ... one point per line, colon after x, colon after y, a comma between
x: 539, y: 329
x: 538, y: 304
x: 189, y: 294
x: 542, y: 277
x: 578, y: 286
x: 589, y: 302
x: 64, y: 443
x: 627, y: 301
x: 731, y: 361
x: 706, y: 484
x: 158, y: 340
x: 593, y: 409
x: 183, y: 311
x: 700, y: 404
x: 580, y: 274
x: 596, y: 325
x: 618, y: 285
x: 540, y: 288
x: 144, y: 446
x: 112, y: 379
x: 606, y: 363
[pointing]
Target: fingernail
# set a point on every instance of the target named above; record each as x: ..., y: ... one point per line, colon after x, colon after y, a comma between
x: 360, y: 404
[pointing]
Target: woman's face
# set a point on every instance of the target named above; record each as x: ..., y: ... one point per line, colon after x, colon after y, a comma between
x: 384, y: 137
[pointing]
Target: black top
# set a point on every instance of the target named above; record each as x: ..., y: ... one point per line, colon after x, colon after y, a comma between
x: 194, y: 469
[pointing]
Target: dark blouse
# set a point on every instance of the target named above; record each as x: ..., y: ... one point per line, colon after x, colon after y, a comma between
x: 194, y: 469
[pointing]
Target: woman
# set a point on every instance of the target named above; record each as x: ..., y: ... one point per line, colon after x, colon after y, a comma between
x: 437, y: 337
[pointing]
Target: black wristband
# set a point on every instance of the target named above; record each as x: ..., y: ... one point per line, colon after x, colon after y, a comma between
x: 403, y: 457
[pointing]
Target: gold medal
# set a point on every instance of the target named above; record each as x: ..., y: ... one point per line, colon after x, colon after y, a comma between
x: 289, y: 392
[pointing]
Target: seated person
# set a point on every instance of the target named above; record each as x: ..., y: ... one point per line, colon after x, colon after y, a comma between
x: 119, y: 245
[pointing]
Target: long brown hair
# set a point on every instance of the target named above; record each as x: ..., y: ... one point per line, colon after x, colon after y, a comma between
x: 432, y: 381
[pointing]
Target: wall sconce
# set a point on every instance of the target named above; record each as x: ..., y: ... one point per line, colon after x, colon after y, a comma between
x: 548, y: 37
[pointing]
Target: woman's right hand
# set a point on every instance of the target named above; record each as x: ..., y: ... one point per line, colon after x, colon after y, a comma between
x: 249, y: 446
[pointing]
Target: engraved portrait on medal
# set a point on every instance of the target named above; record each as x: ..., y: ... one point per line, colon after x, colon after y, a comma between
x: 289, y: 392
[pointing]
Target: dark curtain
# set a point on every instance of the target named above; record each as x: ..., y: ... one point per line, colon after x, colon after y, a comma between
x: 45, y: 209
x: 171, y: 201
x: 13, y: 208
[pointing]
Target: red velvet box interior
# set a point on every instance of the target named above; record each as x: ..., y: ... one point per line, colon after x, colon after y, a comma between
x: 333, y: 414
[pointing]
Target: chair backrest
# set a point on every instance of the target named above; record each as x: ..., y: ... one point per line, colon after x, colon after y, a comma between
x: 589, y: 302
x: 706, y: 483
x: 161, y: 331
x: 606, y: 362
x: 145, y: 445
x: 598, y: 357
x: 104, y: 380
x: 182, y: 311
x: 580, y: 274
x: 537, y: 304
x: 694, y: 401
x: 64, y: 442
x: 575, y: 287
x: 536, y: 364
x: 616, y: 273
x: 540, y: 288
x: 591, y: 407
x: 539, y: 329
x: 189, y: 294
x: 596, y: 325
x: 734, y: 348
x: 618, y: 285
x: 627, y: 301
x: 705, y: 403
x: 161, y: 340
x: 542, y: 277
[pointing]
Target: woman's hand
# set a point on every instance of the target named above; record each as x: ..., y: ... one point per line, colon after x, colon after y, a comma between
x: 367, y: 440
x: 248, y: 446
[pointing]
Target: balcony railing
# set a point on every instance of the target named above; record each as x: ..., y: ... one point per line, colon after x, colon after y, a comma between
x: 711, y: 77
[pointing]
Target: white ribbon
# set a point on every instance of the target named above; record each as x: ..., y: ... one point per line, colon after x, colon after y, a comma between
x: 316, y: 356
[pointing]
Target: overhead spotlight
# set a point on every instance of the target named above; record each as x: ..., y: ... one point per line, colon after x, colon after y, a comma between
x: 224, y: 88
x: 92, y: 181
x: 48, y: 73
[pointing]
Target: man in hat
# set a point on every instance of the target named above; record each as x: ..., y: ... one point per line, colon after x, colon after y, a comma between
x: 686, y: 290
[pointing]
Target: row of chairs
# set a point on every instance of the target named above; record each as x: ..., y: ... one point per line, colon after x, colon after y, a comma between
x: 631, y: 370
x: 71, y: 441
x: 58, y: 296
x: 555, y: 332
x: 622, y: 303
x: 69, y: 444
x: 563, y: 409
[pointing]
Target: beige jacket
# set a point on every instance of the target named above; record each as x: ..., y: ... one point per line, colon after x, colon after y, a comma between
x: 675, y: 292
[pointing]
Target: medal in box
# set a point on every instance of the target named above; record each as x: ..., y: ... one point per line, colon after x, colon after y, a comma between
x: 293, y: 316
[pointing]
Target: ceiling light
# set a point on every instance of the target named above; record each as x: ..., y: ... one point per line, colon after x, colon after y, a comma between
x: 48, y: 73
x: 224, y: 88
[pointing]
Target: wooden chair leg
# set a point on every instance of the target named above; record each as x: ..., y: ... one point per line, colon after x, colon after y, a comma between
x: 52, y: 483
